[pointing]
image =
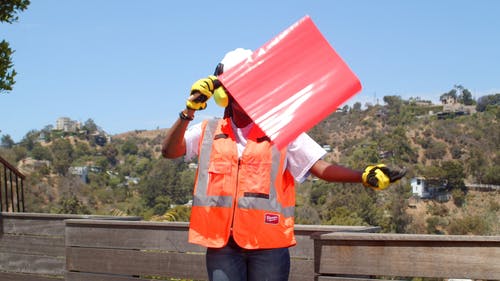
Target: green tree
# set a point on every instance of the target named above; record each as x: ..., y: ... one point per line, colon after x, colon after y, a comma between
x: 130, y: 147
x: 7, y: 73
x: 180, y: 213
x: 8, y: 14
x: 307, y: 214
x: 394, y: 102
x: 62, y: 151
x: 40, y: 152
x: 20, y: 152
x: 142, y: 166
x: 110, y: 152
x: 72, y: 205
x: 89, y: 126
x: 477, y: 160
x: 356, y: 107
x: 452, y: 93
x: 10, y: 8
x: 489, y: 100
x: 47, y: 133
x: 470, y: 225
x: 394, y: 217
x: 436, y: 150
x: 8, y: 154
x: 492, y: 175
x: 435, y: 225
x: 464, y: 95
x: 7, y: 141
x: 365, y: 154
x: 82, y: 149
x: 454, y: 174
x: 458, y: 197
x: 399, y: 144
x: 342, y: 215
x: 397, y: 114
x: 30, y: 139
x: 163, y: 180
x: 162, y: 204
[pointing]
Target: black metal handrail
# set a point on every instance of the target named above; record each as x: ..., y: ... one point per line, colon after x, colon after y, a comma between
x: 11, y: 188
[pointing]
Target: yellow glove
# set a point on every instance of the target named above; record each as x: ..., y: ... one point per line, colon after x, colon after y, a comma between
x: 379, y: 176
x: 201, y: 91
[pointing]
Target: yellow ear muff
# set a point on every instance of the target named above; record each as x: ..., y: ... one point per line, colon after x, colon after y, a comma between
x: 220, y: 97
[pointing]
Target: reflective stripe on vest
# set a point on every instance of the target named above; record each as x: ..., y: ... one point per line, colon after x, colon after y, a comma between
x: 200, y: 197
x: 250, y: 201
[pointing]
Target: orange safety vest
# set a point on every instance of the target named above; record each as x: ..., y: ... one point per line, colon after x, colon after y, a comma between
x: 252, y: 197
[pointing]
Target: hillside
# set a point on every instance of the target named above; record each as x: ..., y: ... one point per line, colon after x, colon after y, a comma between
x: 127, y: 175
x: 481, y: 215
x: 143, y: 134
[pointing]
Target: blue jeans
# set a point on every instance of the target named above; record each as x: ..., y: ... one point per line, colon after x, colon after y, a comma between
x: 233, y: 263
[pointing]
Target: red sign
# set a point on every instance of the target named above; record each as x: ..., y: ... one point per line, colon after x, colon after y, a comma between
x: 271, y: 219
x: 291, y: 83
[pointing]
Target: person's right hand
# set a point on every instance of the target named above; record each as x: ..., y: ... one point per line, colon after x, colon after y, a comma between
x: 201, y: 91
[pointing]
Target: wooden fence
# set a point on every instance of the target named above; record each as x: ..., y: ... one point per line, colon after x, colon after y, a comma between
x: 363, y: 255
x: 44, y: 247
x: 11, y: 188
x: 32, y: 246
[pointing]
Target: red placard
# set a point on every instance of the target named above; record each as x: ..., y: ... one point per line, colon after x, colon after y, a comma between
x: 291, y: 83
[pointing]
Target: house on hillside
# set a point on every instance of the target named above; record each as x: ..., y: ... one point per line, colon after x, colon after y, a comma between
x: 80, y: 171
x: 451, y: 105
x: 65, y: 124
x: 429, y: 189
x: 419, y: 188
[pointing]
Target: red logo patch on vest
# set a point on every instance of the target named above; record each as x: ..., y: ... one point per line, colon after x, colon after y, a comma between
x: 272, y: 219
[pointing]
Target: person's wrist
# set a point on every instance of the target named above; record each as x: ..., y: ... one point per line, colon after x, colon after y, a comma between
x: 187, y: 114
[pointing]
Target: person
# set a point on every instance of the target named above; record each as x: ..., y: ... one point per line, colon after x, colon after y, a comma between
x: 244, y: 196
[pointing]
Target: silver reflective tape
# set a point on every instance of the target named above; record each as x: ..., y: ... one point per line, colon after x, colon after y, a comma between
x: 213, y: 201
x: 204, y: 157
x: 265, y: 205
x: 276, y: 159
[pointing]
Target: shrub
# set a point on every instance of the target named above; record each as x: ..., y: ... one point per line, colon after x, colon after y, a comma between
x: 470, y: 225
x: 458, y: 197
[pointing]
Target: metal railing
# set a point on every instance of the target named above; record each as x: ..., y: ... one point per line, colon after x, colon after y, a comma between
x: 11, y: 188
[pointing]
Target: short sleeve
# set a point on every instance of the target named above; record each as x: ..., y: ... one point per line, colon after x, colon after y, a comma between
x: 302, y: 153
x: 192, y: 139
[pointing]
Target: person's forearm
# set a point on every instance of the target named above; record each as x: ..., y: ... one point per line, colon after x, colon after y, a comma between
x: 335, y: 173
x: 174, y: 145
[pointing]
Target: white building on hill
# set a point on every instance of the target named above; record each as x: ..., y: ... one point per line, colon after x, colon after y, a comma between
x: 419, y: 187
x: 65, y: 124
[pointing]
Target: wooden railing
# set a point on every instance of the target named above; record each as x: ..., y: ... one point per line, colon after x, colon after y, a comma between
x: 11, y: 188
x: 44, y: 247
x: 367, y: 255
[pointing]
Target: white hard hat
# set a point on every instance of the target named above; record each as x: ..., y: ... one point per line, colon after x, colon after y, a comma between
x: 234, y: 57
x: 231, y: 59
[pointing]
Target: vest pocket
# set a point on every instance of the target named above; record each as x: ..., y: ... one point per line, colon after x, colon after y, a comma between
x: 219, y: 178
x: 255, y: 178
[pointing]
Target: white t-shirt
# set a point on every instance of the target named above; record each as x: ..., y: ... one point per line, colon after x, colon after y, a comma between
x: 302, y: 153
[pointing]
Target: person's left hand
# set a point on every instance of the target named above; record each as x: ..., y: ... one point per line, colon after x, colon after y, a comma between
x: 380, y: 176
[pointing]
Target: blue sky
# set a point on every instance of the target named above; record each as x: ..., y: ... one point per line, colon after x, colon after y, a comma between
x: 129, y: 64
